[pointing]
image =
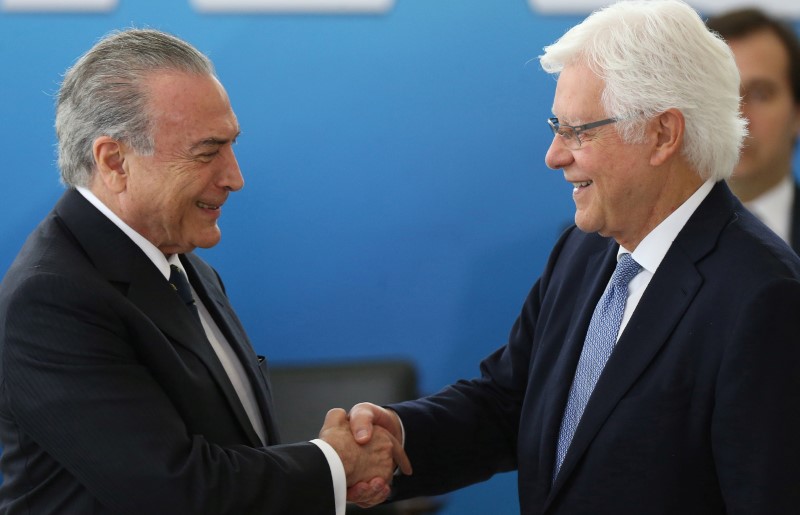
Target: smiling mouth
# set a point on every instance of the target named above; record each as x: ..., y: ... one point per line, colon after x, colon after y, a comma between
x: 203, y: 205
x: 582, y: 184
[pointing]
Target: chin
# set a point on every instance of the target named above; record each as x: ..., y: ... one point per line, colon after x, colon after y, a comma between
x: 587, y: 226
x: 207, y: 243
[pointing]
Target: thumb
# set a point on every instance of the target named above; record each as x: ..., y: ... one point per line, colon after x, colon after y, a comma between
x: 362, y: 417
x: 335, y: 417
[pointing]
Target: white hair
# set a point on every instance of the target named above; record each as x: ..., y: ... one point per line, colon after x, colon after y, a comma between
x: 654, y: 55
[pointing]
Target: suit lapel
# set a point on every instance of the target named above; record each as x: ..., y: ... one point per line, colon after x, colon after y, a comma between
x: 125, y: 265
x: 665, y: 301
x: 598, y: 270
x: 159, y: 303
x: 218, y: 306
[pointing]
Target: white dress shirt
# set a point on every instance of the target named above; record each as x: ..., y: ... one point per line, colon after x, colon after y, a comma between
x: 222, y: 348
x: 651, y: 251
x: 774, y: 207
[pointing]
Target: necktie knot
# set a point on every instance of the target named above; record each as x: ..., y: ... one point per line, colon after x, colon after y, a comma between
x: 179, y: 282
x: 627, y: 269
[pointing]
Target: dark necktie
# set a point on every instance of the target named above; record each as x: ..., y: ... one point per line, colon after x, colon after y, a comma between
x: 178, y: 281
x: 600, y: 340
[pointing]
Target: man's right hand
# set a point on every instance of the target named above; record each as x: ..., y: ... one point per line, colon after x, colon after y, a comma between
x: 367, y: 420
x: 364, y: 417
x: 372, y: 461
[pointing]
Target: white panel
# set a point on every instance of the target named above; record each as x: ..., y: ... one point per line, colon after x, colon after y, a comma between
x: 789, y: 9
x: 784, y: 8
x: 294, y: 6
x: 58, y: 5
x: 566, y: 6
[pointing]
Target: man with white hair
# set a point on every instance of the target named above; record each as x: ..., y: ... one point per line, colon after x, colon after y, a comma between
x: 653, y: 368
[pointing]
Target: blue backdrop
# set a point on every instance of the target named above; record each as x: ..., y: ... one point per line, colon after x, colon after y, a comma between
x: 396, y: 199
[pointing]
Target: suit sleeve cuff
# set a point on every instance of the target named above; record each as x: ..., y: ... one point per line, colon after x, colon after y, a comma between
x: 337, y: 475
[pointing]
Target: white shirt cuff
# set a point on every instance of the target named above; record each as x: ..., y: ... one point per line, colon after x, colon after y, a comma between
x: 402, y: 441
x: 402, y: 432
x: 337, y: 475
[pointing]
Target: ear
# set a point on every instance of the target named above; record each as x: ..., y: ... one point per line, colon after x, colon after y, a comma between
x: 109, y: 157
x: 668, y: 128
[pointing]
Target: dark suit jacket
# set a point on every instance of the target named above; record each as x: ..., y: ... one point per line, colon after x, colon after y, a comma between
x: 113, y: 401
x: 696, y: 411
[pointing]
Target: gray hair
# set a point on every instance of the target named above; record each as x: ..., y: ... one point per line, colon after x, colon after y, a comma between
x: 103, y: 94
x: 654, y: 55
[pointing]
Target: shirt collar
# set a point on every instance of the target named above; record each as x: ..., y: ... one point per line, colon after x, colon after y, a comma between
x: 151, y: 251
x: 654, y: 246
x: 774, y: 207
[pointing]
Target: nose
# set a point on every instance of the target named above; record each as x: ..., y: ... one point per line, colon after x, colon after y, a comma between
x: 231, y: 177
x: 558, y: 155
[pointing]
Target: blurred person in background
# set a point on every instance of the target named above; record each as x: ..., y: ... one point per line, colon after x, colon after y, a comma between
x: 767, y: 53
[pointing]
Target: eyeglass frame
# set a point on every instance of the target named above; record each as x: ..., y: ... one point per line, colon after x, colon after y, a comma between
x: 555, y: 126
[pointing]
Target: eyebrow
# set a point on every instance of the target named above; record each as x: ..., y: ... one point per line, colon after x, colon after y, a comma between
x: 760, y: 82
x: 213, y: 142
x: 569, y: 123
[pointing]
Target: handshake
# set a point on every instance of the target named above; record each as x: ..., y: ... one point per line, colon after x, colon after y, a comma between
x: 368, y: 440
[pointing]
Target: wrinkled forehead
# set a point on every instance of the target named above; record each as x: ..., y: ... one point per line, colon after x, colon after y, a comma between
x: 578, y: 95
x: 190, y: 108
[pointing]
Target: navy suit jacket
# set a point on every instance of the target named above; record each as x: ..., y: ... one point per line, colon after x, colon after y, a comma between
x: 696, y: 411
x: 113, y: 401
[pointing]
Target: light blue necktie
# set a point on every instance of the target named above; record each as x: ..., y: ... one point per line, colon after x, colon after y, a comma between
x: 600, y: 340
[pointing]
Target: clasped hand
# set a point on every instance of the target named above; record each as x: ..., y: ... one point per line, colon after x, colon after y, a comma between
x: 368, y: 443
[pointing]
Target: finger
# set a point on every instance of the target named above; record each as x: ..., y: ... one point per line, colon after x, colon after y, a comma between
x: 358, y: 492
x: 400, y: 457
x: 366, y: 495
x: 361, y: 421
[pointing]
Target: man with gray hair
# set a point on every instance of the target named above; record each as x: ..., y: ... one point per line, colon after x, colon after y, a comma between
x: 653, y: 369
x: 127, y: 383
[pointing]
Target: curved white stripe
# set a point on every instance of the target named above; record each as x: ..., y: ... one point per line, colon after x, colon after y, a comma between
x: 294, y: 6
x: 783, y: 8
x: 58, y: 5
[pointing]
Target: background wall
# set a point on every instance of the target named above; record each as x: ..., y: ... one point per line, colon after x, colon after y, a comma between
x: 396, y: 200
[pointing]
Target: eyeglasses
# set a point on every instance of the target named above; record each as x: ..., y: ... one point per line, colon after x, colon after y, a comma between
x: 571, y: 135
